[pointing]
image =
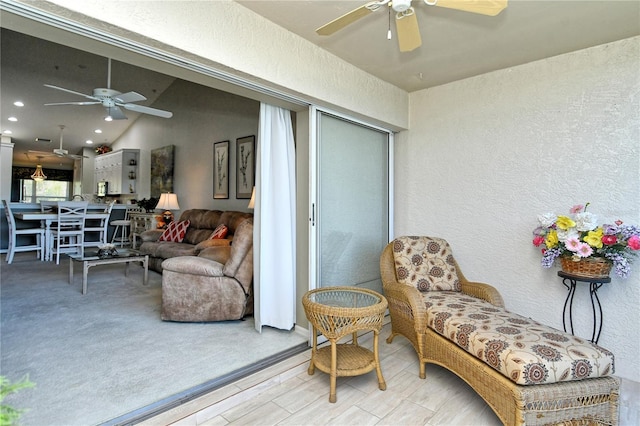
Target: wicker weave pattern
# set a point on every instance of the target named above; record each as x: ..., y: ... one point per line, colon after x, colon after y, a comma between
x: 338, y: 312
x: 591, y: 401
x: 590, y: 267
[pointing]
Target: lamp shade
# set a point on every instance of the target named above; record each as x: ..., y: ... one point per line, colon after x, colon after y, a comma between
x: 38, y: 175
x: 168, y: 201
x: 252, y: 201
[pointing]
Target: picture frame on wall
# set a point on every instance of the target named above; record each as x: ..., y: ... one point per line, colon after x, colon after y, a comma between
x: 221, y: 170
x: 245, y: 166
x: 162, y: 163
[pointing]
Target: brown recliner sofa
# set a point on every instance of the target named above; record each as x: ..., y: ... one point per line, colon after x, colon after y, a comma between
x: 216, y: 285
x: 202, y: 224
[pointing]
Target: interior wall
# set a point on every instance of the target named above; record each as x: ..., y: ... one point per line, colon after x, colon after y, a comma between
x: 201, y: 117
x: 486, y: 155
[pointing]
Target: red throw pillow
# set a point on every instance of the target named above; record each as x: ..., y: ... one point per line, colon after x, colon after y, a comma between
x: 219, y: 233
x: 175, y: 232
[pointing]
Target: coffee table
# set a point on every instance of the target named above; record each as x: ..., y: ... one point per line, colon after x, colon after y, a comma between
x: 90, y: 258
x: 337, y: 312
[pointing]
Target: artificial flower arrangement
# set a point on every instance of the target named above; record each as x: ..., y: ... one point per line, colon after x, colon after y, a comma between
x: 102, y: 149
x: 579, y: 236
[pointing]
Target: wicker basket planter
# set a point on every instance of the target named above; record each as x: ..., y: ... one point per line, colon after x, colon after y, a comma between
x: 590, y: 267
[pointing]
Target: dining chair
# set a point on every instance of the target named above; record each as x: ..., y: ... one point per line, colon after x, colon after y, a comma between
x: 100, y: 228
x: 67, y: 235
x: 123, y: 225
x: 14, y: 232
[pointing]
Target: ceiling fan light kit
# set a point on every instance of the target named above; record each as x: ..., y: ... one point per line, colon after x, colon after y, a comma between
x: 406, y: 22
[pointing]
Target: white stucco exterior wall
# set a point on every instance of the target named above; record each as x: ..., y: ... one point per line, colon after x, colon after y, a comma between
x: 486, y: 155
x: 246, y: 44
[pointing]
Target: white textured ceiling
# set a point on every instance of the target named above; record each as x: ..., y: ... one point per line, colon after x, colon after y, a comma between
x: 456, y: 44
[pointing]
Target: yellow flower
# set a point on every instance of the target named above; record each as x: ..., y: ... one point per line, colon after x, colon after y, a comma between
x: 565, y: 222
x: 594, y: 238
x: 552, y: 239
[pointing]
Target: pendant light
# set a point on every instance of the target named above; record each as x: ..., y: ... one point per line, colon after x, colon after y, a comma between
x: 38, y: 175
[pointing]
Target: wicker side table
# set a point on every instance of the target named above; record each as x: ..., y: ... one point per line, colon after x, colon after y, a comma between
x: 337, y: 312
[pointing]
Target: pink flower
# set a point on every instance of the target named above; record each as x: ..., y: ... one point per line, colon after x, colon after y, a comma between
x: 634, y: 242
x: 618, y: 222
x: 584, y: 250
x: 538, y: 240
x: 573, y: 244
x: 576, y: 209
x: 609, y: 240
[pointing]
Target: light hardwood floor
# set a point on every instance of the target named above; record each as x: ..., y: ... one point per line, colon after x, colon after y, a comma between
x: 284, y: 394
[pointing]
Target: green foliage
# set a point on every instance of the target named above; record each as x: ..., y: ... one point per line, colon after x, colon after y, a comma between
x: 8, y: 414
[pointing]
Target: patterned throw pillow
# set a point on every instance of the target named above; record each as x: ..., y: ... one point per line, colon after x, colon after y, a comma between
x: 425, y: 263
x: 219, y: 233
x: 175, y: 232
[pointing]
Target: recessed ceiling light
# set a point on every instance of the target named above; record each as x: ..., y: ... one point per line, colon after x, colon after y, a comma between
x: 89, y: 142
x: 98, y: 131
x: 12, y: 119
x: 7, y: 132
x: 18, y: 103
x: 108, y: 118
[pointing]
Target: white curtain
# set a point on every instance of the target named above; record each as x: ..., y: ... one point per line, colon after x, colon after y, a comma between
x: 274, y: 225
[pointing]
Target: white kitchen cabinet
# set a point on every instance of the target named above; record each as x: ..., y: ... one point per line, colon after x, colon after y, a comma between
x: 119, y: 169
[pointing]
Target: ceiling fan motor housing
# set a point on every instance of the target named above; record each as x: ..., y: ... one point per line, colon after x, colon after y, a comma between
x: 400, y: 5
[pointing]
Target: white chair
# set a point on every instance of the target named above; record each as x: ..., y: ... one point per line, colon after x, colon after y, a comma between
x: 101, y: 228
x: 68, y: 233
x: 123, y: 225
x: 14, y: 232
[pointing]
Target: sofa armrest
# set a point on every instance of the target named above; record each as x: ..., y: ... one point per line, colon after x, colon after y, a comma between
x: 151, y: 235
x: 218, y: 254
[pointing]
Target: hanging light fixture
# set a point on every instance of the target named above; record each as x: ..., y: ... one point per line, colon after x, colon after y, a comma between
x: 38, y: 175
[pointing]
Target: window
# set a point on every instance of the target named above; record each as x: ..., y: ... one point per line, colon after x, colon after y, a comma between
x: 47, y: 190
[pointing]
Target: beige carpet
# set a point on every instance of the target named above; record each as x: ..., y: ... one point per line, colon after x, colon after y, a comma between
x: 105, y: 356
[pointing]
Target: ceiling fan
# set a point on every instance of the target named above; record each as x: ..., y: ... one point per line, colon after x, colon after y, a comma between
x: 57, y: 152
x: 112, y: 100
x: 406, y: 21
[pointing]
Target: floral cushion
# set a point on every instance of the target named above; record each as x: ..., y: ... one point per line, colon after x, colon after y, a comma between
x: 520, y: 348
x: 425, y: 263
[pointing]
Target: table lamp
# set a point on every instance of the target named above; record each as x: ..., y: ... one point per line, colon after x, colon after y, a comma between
x: 168, y: 202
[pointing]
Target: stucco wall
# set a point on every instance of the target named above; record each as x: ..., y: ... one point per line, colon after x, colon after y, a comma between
x: 486, y: 155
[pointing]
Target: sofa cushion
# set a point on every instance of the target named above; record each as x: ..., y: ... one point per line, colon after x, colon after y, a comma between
x: 520, y: 348
x: 175, y: 232
x: 425, y: 263
x: 167, y: 249
x: 193, y: 265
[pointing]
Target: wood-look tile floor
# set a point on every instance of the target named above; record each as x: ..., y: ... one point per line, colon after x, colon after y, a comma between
x: 284, y: 394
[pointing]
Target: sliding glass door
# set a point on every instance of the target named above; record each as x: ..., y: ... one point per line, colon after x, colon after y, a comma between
x: 351, y: 208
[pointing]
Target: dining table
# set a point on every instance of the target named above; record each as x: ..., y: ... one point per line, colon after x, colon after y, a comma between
x: 48, y: 218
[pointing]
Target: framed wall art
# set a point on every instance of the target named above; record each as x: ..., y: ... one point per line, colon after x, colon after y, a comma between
x: 221, y: 169
x: 162, y: 170
x: 245, y: 166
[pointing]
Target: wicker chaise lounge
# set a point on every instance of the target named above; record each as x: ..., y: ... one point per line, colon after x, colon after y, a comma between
x: 590, y: 400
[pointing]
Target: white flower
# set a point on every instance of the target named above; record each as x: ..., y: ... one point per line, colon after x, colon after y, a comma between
x: 586, y: 221
x: 547, y: 219
x: 567, y: 234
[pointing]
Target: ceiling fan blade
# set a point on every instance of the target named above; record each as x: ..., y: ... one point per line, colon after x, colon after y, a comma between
x: 148, y: 110
x: 73, y: 103
x: 129, y: 97
x: 483, y: 7
x: 72, y: 92
x: 408, y: 32
x: 344, y: 20
x: 116, y: 113
x: 41, y: 153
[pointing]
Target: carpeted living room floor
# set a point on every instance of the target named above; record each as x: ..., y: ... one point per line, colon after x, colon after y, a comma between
x: 104, y: 355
